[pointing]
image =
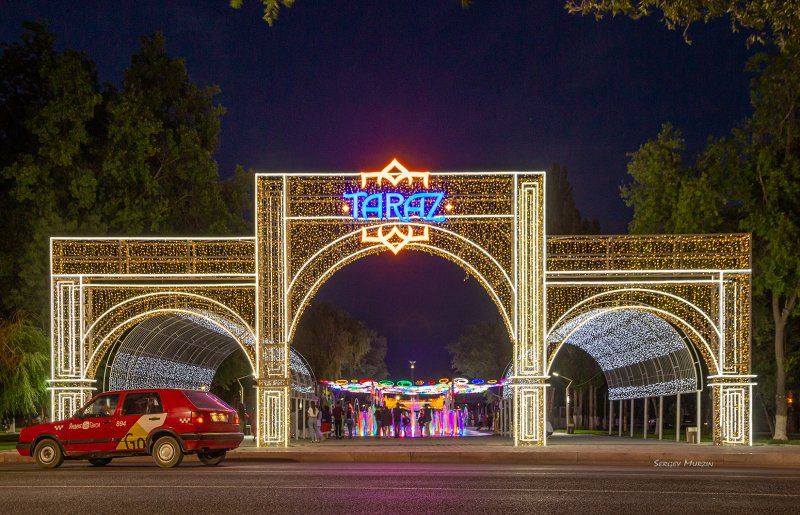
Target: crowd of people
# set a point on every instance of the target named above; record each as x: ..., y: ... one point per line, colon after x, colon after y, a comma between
x: 340, y: 421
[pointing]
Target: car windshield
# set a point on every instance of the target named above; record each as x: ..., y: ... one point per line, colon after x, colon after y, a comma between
x: 205, y: 400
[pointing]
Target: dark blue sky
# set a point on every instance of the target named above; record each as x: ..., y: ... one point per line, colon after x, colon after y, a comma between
x: 341, y: 85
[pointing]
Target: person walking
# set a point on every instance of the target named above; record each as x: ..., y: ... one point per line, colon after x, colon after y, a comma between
x: 313, y: 422
x: 338, y: 418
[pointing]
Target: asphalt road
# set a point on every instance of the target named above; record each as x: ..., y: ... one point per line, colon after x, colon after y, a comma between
x: 325, y: 489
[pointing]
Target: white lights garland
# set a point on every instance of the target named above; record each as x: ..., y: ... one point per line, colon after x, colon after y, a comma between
x: 640, y: 353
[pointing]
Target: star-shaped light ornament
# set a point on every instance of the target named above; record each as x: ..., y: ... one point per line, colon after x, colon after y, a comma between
x: 395, y: 238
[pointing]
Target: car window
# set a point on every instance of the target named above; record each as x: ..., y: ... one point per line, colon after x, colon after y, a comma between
x: 103, y: 406
x: 142, y: 403
x: 205, y: 400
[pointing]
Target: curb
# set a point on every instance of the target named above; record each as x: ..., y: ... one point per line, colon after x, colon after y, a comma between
x: 736, y: 459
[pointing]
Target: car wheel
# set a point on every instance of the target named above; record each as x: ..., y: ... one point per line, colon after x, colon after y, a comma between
x: 211, y: 458
x: 166, y: 452
x: 48, y: 454
x: 99, y: 462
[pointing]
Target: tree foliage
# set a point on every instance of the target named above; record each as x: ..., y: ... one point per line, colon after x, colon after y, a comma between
x: 336, y: 345
x: 563, y: 216
x: 78, y: 158
x: 765, y: 21
x: 483, y: 350
x: 24, y: 357
x: 750, y: 180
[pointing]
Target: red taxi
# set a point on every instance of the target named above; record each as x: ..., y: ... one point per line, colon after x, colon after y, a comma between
x: 163, y: 423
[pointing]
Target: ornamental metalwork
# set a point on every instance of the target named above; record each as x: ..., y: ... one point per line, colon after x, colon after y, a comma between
x: 249, y: 293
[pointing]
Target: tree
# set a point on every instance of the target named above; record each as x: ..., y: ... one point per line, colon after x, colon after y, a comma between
x: 76, y: 158
x: 772, y: 205
x: 336, y: 345
x: 483, y: 350
x: 47, y: 103
x: 751, y: 178
x: 775, y: 21
x: 272, y: 8
x: 563, y: 216
x: 24, y: 356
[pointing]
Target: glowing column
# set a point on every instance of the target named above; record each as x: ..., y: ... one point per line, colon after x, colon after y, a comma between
x: 530, y: 356
x: 67, y: 395
x: 272, y: 340
x: 733, y: 410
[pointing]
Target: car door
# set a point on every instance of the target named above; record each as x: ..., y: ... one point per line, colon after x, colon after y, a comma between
x: 141, y: 413
x: 93, y: 429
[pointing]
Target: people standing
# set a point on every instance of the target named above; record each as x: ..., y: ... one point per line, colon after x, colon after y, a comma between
x: 386, y: 421
x: 338, y: 418
x: 349, y: 420
x: 397, y: 418
x: 313, y: 422
x: 424, y: 418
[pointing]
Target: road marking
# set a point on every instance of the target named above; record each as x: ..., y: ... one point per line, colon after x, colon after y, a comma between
x: 338, y: 488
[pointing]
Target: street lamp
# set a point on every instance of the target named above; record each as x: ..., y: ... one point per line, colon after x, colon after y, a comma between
x: 241, y: 389
x: 567, y: 392
x: 412, y: 371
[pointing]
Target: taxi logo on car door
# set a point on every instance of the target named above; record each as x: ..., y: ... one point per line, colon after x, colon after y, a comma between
x: 136, y: 436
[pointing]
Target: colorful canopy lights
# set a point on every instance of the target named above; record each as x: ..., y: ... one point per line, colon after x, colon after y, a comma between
x: 444, y: 385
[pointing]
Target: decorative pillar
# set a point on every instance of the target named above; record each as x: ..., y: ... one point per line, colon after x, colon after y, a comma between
x: 678, y: 418
x: 530, y: 350
x: 272, y: 345
x: 660, y: 417
x: 733, y: 409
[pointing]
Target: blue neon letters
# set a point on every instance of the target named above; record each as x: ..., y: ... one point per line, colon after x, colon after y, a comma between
x: 384, y: 206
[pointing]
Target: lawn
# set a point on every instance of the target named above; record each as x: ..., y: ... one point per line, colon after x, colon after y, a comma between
x: 8, y: 441
x: 669, y: 435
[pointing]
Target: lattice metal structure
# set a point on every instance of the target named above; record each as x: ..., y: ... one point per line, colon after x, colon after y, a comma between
x: 700, y: 284
x: 490, y: 223
x: 640, y: 353
x: 253, y: 290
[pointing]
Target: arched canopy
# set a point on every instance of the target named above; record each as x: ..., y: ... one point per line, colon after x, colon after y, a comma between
x: 640, y: 353
x: 184, y: 350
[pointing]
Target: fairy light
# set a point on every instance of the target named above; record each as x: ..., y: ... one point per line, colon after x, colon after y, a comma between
x: 640, y: 353
x: 254, y: 289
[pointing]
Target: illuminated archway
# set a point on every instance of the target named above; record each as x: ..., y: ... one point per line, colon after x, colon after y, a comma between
x: 490, y: 223
x: 308, y: 225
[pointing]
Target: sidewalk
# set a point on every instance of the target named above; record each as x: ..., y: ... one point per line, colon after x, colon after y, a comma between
x: 561, y: 450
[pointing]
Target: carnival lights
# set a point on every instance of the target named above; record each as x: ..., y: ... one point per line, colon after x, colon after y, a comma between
x: 254, y: 289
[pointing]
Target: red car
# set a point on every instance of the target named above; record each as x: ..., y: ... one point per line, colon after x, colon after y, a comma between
x: 163, y: 423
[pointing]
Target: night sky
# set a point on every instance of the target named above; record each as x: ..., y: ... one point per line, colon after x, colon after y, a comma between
x: 346, y: 86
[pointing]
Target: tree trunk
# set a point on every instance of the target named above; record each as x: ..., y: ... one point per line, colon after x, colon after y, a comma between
x: 781, y: 317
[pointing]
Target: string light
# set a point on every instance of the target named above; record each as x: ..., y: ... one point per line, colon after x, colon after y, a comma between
x: 255, y: 289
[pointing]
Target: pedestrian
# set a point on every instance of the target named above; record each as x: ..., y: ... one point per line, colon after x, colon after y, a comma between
x: 349, y: 419
x: 313, y: 422
x: 397, y: 418
x: 386, y: 421
x: 421, y: 421
x: 338, y: 419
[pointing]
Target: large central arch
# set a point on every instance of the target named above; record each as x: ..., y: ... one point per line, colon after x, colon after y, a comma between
x: 489, y: 223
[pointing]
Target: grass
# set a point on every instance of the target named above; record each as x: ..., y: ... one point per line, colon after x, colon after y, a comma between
x: 8, y: 441
x: 669, y: 436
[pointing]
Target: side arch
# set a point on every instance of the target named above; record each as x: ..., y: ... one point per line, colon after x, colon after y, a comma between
x: 694, y: 323
x: 115, y: 321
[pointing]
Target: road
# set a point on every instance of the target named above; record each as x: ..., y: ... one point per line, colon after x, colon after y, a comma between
x: 354, y: 488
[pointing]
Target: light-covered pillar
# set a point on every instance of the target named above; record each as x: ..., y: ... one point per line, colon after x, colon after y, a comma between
x: 733, y: 409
